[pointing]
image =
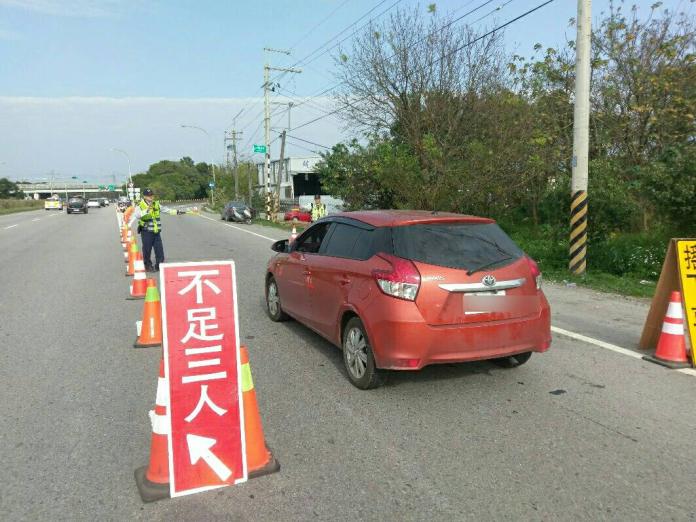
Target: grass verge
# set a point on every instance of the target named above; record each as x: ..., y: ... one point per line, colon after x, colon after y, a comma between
x: 10, y: 206
x: 284, y: 225
x: 623, y: 285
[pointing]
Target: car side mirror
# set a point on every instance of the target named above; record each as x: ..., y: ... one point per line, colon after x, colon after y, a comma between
x: 280, y: 246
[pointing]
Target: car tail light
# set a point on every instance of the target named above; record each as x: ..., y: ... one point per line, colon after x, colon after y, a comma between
x: 536, y: 273
x: 402, y: 281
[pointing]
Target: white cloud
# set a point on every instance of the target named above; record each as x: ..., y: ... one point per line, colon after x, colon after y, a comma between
x: 74, y: 135
x: 76, y: 8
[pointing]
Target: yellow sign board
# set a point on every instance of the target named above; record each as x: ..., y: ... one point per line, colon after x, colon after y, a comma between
x: 686, y: 256
x: 678, y: 273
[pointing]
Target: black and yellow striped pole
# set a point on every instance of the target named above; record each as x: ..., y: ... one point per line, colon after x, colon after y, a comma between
x: 578, y: 232
x: 581, y: 142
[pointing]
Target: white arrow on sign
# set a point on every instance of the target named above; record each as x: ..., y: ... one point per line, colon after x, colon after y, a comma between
x: 199, y: 448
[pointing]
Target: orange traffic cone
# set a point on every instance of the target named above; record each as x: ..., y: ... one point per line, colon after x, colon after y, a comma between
x: 132, y: 250
x: 293, y: 234
x: 153, y: 480
x: 138, y: 288
x: 151, y: 334
x: 671, y: 348
x: 260, y: 460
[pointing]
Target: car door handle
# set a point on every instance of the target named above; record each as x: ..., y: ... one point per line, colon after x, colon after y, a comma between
x: 344, y: 281
x: 306, y: 272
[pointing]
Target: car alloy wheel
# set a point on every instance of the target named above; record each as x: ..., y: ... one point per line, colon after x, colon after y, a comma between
x: 358, y: 358
x: 273, y: 307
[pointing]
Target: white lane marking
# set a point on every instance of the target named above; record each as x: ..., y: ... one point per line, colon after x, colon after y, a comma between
x: 609, y: 346
x: 240, y: 229
x: 36, y: 219
x: 11, y: 226
x: 596, y: 342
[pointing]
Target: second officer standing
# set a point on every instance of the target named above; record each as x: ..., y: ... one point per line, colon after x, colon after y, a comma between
x: 147, y: 214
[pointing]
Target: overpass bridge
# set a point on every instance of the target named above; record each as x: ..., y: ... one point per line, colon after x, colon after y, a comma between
x: 43, y: 190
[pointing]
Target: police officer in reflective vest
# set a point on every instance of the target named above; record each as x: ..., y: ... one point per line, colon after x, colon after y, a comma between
x: 318, y: 208
x: 147, y: 212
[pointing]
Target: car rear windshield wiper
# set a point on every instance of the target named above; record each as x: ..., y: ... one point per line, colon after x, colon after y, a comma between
x: 486, y: 265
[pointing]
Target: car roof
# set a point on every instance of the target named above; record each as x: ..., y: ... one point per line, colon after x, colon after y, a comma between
x: 393, y: 218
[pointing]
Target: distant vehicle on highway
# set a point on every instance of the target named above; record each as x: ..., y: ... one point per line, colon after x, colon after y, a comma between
x: 77, y: 204
x: 104, y: 202
x: 237, y: 211
x: 401, y: 290
x: 53, y: 203
x: 93, y: 203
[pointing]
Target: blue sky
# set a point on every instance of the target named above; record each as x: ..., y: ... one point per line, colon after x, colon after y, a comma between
x: 78, y: 77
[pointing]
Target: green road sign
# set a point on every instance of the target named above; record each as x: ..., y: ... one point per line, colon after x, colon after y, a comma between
x: 112, y: 187
x: 260, y: 148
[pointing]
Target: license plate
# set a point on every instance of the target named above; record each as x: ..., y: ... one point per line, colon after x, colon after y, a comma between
x: 491, y: 292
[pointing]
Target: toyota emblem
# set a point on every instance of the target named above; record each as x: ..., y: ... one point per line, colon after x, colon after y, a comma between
x: 488, y: 280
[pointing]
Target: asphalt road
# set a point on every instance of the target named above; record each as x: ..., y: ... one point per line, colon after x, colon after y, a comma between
x: 580, y: 432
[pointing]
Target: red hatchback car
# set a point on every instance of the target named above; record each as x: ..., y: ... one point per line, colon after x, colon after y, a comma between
x: 400, y: 290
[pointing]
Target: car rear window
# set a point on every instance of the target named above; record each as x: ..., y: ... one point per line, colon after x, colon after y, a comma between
x: 456, y: 245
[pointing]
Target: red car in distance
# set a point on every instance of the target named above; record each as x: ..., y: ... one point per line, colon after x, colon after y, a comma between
x: 401, y: 290
x: 298, y: 214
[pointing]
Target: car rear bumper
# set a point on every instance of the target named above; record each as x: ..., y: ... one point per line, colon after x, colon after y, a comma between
x: 410, y: 344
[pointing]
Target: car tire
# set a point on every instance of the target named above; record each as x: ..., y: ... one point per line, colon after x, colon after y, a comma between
x: 273, y: 306
x: 358, y: 358
x: 513, y: 361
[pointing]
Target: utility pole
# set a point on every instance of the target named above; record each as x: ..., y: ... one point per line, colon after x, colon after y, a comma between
x: 581, y: 138
x: 280, y: 172
x: 267, y: 121
x: 234, y: 136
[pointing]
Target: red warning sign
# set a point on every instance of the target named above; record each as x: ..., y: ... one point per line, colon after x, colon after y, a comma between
x: 202, y: 366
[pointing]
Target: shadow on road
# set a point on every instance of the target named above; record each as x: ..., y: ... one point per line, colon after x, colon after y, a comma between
x: 435, y: 372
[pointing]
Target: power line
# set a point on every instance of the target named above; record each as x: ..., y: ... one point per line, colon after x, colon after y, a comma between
x: 444, y: 26
x: 307, y: 141
x: 338, y: 84
x: 494, y: 30
x: 468, y: 44
x: 305, y: 148
x: 319, y: 24
x: 303, y: 60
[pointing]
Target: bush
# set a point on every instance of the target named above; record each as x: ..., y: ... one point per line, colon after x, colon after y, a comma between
x: 640, y: 255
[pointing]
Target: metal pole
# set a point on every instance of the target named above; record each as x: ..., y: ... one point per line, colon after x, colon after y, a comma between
x: 267, y: 138
x: 581, y: 138
x: 267, y: 121
x: 130, y: 176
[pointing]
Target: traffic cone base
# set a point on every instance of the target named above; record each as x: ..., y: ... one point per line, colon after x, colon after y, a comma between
x: 150, y: 491
x: 260, y: 459
x: 672, y: 365
x: 671, y: 348
x: 271, y: 467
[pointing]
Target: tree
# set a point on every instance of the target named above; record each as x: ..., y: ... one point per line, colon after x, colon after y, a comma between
x: 417, y: 82
x: 9, y: 190
x: 173, y: 180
